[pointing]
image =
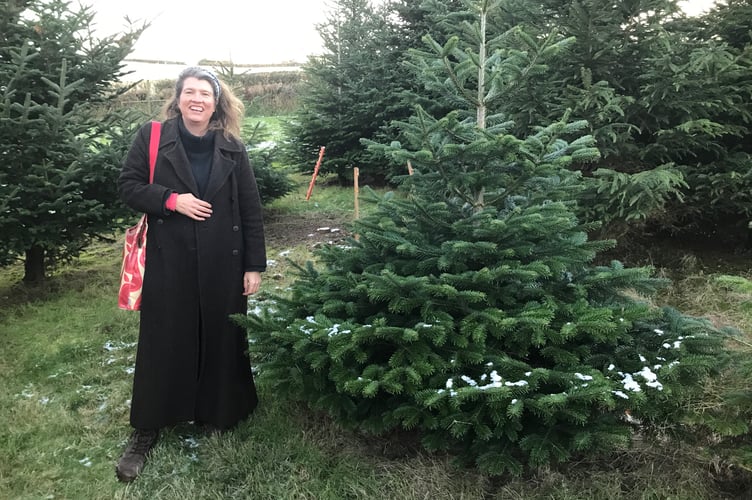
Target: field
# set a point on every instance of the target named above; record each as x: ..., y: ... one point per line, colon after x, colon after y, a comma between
x: 67, y: 361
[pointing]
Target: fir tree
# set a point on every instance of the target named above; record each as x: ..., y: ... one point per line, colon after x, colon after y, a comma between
x: 61, y: 148
x: 273, y: 182
x: 700, y: 121
x: 665, y: 98
x: 469, y: 307
x: 352, y: 91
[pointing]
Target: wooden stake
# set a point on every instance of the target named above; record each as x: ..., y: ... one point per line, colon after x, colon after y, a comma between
x: 315, y: 173
x: 356, y: 185
x: 356, y: 175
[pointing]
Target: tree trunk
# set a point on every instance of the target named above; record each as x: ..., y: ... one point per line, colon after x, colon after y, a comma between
x: 34, y: 265
x: 481, y: 110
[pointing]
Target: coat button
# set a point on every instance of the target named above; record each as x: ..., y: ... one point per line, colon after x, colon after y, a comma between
x: 160, y: 221
x: 235, y: 228
x: 235, y: 252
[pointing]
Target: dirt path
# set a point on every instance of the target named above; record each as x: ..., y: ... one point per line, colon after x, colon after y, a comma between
x: 284, y: 230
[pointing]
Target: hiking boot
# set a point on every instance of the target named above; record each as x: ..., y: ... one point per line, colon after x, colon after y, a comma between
x: 132, y: 461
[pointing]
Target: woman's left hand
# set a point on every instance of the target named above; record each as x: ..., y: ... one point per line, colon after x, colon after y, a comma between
x: 251, y: 282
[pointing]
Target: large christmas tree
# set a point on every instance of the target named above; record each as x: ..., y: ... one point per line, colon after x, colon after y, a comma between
x: 60, y: 144
x: 470, y: 307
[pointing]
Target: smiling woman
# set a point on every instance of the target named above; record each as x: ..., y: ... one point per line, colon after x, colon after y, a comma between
x: 205, y: 255
x: 197, y: 104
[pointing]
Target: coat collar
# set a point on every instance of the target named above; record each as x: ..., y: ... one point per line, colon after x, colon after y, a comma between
x: 222, y: 165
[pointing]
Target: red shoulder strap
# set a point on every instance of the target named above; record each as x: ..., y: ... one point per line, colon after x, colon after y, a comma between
x: 156, y: 128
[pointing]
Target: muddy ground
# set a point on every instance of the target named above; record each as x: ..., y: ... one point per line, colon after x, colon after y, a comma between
x: 284, y: 231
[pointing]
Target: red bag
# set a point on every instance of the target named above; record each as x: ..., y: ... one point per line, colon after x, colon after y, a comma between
x: 134, y: 250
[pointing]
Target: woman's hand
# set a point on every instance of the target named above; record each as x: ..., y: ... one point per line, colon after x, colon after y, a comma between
x: 192, y: 207
x: 251, y: 282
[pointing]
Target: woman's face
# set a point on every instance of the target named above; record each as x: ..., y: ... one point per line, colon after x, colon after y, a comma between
x: 196, y: 102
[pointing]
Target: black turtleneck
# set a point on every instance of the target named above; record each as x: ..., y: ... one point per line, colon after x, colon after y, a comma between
x: 200, y: 152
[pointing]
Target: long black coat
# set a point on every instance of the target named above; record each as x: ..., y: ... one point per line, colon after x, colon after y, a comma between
x: 192, y: 361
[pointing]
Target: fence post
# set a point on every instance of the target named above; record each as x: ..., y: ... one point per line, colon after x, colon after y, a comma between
x: 356, y: 184
x: 315, y: 173
x: 356, y: 187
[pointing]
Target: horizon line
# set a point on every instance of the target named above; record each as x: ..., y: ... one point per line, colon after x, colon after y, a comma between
x: 215, y: 62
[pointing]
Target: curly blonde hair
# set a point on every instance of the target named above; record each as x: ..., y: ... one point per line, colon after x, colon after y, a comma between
x: 229, y: 112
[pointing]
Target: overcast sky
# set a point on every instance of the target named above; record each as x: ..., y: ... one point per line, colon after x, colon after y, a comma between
x: 250, y: 31
x: 242, y: 31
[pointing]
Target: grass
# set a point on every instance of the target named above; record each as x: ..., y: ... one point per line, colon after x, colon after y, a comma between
x: 273, y: 125
x: 270, y: 127
x: 67, y: 361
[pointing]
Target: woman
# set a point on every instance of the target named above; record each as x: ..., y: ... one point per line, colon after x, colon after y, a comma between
x: 205, y: 255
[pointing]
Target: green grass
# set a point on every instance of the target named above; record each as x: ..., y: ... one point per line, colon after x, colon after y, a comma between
x: 325, y: 198
x: 272, y: 124
x: 66, y: 363
x: 271, y: 127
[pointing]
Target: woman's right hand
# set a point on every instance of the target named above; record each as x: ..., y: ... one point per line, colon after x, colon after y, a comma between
x: 192, y: 207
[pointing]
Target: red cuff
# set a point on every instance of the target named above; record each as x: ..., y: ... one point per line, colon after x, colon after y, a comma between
x: 172, y: 202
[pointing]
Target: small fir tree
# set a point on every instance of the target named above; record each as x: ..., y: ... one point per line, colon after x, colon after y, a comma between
x: 469, y: 308
x: 273, y: 182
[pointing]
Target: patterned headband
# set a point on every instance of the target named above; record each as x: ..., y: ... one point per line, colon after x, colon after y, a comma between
x: 215, y: 83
